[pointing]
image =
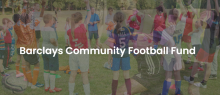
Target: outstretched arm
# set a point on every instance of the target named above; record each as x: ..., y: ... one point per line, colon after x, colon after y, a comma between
x: 193, y: 11
x: 88, y: 12
x: 164, y: 10
x: 43, y: 7
x: 183, y: 9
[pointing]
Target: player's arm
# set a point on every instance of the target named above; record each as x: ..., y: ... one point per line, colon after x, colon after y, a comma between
x: 164, y: 10
x: 53, y: 42
x: 43, y: 8
x: 193, y: 32
x: 52, y: 38
x: 88, y: 13
x: 152, y: 28
x: 216, y: 7
x: 98, y: 20
x: 193, y: 11
x: 183, y: 9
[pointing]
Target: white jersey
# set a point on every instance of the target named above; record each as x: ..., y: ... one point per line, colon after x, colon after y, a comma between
x: 177, y: 36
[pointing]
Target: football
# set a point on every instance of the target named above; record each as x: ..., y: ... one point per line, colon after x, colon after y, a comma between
x: 13, y: 85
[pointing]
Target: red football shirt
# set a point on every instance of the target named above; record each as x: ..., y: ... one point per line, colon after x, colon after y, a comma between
x: 80, y: 34
x: 188, y: 27
x: 159, y: 21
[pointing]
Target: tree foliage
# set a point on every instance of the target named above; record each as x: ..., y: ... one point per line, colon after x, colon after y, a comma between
x: 59, y: 4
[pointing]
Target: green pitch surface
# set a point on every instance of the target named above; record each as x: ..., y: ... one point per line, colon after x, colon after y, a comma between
x: 100, y: 78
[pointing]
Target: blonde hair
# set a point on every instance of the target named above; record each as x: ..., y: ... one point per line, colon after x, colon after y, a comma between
x: 75, y: 18
x: 47, y: 18
x: 68, y: 19
x: 8, y: 20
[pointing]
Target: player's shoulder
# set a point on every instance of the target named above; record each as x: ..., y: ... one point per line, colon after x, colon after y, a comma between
x: 47, y: 29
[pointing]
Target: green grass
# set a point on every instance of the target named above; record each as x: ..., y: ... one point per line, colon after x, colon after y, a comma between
x: 99, y: 77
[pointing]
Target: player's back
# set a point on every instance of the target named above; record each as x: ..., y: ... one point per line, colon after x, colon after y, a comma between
x: 122, y: 38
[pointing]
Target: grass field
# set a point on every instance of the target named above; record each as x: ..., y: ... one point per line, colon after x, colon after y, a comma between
x: 99, y: 77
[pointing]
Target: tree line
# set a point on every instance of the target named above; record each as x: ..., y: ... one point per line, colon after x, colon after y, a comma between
x: 52, y: 5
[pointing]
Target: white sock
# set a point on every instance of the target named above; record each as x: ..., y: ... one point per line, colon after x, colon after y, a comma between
x: 47, y: 79
x: 71, y: 88
x: 52, y: 80
x: 86, y: 89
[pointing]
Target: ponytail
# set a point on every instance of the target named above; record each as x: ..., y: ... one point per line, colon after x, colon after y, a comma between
x: 118, y: 26
x: 75, y: 18
x: 119, y: 18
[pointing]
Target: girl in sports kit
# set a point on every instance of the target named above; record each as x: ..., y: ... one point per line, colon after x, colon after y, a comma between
x: 159, y: 21
x: 120, y: 37
x: 171, y: 37
x: 78, y: 40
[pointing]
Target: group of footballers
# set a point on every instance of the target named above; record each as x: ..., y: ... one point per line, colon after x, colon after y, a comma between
x: 178, y: 28
x: 120, y: 31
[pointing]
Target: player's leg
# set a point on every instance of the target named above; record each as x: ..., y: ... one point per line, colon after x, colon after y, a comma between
x: 207, y: 73
x: 177, y: 82
x: 28, y: 72
x: 53, y: 67
x: 33, y: 60
x: 126, y: 67
x: 214, y: 67
x: 23, y: 67
x: 115, y: 69
x: 72, y: 81
x: 84, y: 67
x: 136, y: 88
x: 6, y: 57
x: 127, y: 81
x: 17, y: 65
x: 73, y: 67
x: 189, y: 46
x: 46, y: 72
x: 86, y: 84
x: 2, y: 68
x: 115, y: 82
x: 168, y: 75
x: 96, y: 36
x: 1, y: 63
x: 90, y: 38
x: 194, y: 71
x: 35, y: 84
x: 167, y: 83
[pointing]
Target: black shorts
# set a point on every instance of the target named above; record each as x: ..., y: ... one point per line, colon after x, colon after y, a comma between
x: 2, y: 54
x: 18, y: 51
x: 38, y: 34
x: 33, y: 59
